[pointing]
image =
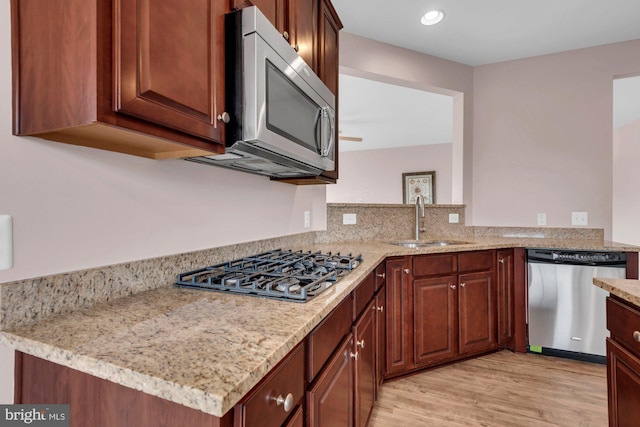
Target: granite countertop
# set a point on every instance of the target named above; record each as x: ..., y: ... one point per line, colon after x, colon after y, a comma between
x: 627, y: 289
x: 206, y: 350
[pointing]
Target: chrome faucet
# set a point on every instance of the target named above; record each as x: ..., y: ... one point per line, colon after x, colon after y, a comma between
x: 419, y: 207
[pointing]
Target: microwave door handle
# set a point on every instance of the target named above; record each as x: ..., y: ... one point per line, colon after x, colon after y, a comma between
x: 319, y: 131
x: 330, y: 119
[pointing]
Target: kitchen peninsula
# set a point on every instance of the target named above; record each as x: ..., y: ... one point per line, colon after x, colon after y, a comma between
x: 201, y: 350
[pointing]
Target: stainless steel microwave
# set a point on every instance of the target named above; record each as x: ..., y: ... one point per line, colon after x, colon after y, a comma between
x: 281, y: 115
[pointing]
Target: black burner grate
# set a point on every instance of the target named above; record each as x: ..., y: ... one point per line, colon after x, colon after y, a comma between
x: 282, y: 274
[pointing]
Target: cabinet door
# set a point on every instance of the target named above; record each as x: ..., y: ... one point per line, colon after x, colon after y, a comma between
x: 274, y: 10
x: 435, y: 313
x: 381, y: 341
x: 329, y: 28
x: 505, y: 305
x: 476, y: 312
x: 169, y: 66
x: 398, y: 317
x: 302, y: 29
x: 330, y: 399
x: 623, y: 376
x: 364, y: 335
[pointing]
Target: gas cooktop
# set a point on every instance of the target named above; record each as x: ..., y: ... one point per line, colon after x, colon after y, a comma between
x: 282, y: 274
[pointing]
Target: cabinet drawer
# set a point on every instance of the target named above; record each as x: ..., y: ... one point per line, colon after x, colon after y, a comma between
x: 324, y: 339
x: 261, y: 407
x: 434, y: 265
x: 623, y: 322
x: 474, y: 261
x: 362, y: 295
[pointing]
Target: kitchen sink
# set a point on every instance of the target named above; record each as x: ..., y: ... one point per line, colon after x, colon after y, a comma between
x: 423, y: 243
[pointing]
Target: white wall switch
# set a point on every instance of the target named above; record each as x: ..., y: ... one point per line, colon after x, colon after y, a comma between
x: 579, y: 218
x: 6, y: 242
x: 542, y: 219
x: 454, y: 218
x: 307, y: 219
x: 349, y: 219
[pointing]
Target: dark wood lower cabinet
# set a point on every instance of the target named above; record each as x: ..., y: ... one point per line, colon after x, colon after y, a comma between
x: 99, y: 403
x: 476, y: 312
x: 398, y: 317
x: 364, y: 333
x: 439, y: 308
x: 623, y: 386
x: 330, y: 399
x: 435, y: 303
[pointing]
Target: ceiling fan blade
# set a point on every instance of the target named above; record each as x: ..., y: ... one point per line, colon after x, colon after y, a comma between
x: 350, y: 138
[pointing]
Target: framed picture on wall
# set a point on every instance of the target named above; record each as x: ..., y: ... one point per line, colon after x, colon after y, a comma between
x: 419, y: 184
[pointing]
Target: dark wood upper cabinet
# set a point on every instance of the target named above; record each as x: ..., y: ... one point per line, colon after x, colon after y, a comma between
x: 274, y: 10
x: 303, y: 29
x: 142, y: 78
x: 169, y: 58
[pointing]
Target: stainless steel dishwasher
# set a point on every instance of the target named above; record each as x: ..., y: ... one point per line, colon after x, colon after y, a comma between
x: 566, y: 312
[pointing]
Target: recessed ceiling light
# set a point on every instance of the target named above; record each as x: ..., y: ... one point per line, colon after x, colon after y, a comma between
x: 432, y: 17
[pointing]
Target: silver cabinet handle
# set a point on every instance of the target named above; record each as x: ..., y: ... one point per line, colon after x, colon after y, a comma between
x: 285, y: 35
x: 501, y: 260
x: 452, y: 286
x: 636, y: 336
x: 380, y: 309
x: 360, y: 343
x: 286, y: 402
x: 224, y: 117
x: 462, y: 285
x: 407, y: 271
x: 296, y: 48
x: 354, y: 356
x: 381, y: 275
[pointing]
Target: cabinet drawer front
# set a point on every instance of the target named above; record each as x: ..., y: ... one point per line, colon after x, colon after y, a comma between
x: 261, y: 408
x: 362, y: 295
x: 623, y: 322
x: 324, y: 339
x: 434, y: 265
x: 474, y: 261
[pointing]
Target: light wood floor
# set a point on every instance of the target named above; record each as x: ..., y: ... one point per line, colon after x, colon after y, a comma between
x: 501, y: 389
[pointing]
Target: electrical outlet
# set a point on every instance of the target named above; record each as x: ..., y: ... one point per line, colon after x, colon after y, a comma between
x: 6, y: 242
x: 579, y: 218
x: 454, y: 218
x: 307, y: 219
x: 542, y: 219
x: 349, y: 219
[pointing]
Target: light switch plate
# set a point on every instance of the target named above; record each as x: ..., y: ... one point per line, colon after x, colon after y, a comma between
x: 349, y: 219
x: 454, y: 218
x: 6, y: 242
x: 307, y: 219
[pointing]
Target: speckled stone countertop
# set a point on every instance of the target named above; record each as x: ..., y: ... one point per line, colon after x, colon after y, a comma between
x: 206, y: 350
x: 627, y: 289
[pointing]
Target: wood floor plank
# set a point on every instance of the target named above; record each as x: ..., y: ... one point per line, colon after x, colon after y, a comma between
x: 500, y: 389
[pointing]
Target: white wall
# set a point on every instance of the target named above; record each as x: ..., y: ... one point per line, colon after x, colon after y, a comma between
x: 542, y: 132
x: 626, y: 183
x: 375, y: 176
